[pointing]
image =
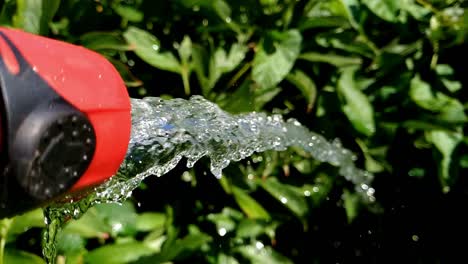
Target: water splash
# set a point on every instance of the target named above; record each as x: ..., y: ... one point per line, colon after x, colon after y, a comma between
x: 165, y: 131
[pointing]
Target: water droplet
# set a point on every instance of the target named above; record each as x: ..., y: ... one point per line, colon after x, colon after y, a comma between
x: 315, y: 189
x: 34, y: 68
x: 415, y: 238
x: 100, y: 76
x: 117, y: 227
x: 196, y: 8
x: 155, y: 47
x: 307, y: 193
x: 259, y: 245
x: 205, y: 22
x: 222, y: 231
x: 283, y: 200
x: 228, y: 20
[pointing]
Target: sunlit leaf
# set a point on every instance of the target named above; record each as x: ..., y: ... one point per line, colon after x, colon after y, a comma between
x: 351, y: 205
x: 270, y: 67
x: 356, y: 105
x: 104, y: 40
x: 250, y: 207
x: 292, y: 199
x: 445, y: 142
x: 35, y: 15
x: 259, y: 254
x: 118, y: 253
x: 13, y: 256
x: 147, y: 47
x: 305, y: 84
x: 129, y: 13
x: 26, y: 221
x: 385, y: 9
x: 336, y: 60
x: 149, y: 221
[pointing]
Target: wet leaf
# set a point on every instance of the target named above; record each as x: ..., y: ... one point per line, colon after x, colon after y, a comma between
x: 90, y: 225
x: 291, y: 198
x: 270, y: 68
x: 147, y: 47
x: 120, y: 218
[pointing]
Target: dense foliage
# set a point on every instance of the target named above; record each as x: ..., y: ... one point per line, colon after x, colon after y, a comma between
x: 386, y: 77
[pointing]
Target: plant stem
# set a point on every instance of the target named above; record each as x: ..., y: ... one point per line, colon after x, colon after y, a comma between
x: 185, y: 73
x: 4, y: 227
x: 239, y: 74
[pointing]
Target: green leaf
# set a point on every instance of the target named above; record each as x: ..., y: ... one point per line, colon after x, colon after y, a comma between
x: 291, y: 198
x: 448, y: 108
x: 13, y: 256
x: 129, y: 13
x: 252, y: 228
x: 305, y: 84
x: 271, y: 68
x: 7, y: 13
x: 104, y: 41
x: 147, y: 47
x: 242, y: 100
x: 356, y: 105
x: 185, y: 49
x: 70, y: 243
x: 260, y: 254
x: 124, y: 71
x: 149, y: 221
x: 173, y: 248
x: 90, y: 225
x: 333, y: 59
x: 24, y: 222
x: 35, y: 15
x: 248, y: 205
x: 225, y: 259
x: 385, y: 9
x: 445, y: 142
x: 120, y: 218
x: 216, y: 64
x: 351, y: 205
x: 225, y: 221
x: 119, y: 253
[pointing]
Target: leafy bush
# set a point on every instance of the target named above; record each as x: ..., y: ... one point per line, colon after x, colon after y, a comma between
x: 385, y: 77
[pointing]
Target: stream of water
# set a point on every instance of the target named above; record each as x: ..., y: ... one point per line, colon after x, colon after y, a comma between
x: 165, y: 131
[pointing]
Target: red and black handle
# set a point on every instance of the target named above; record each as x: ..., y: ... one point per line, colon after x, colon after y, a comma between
x: 64, y: 120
